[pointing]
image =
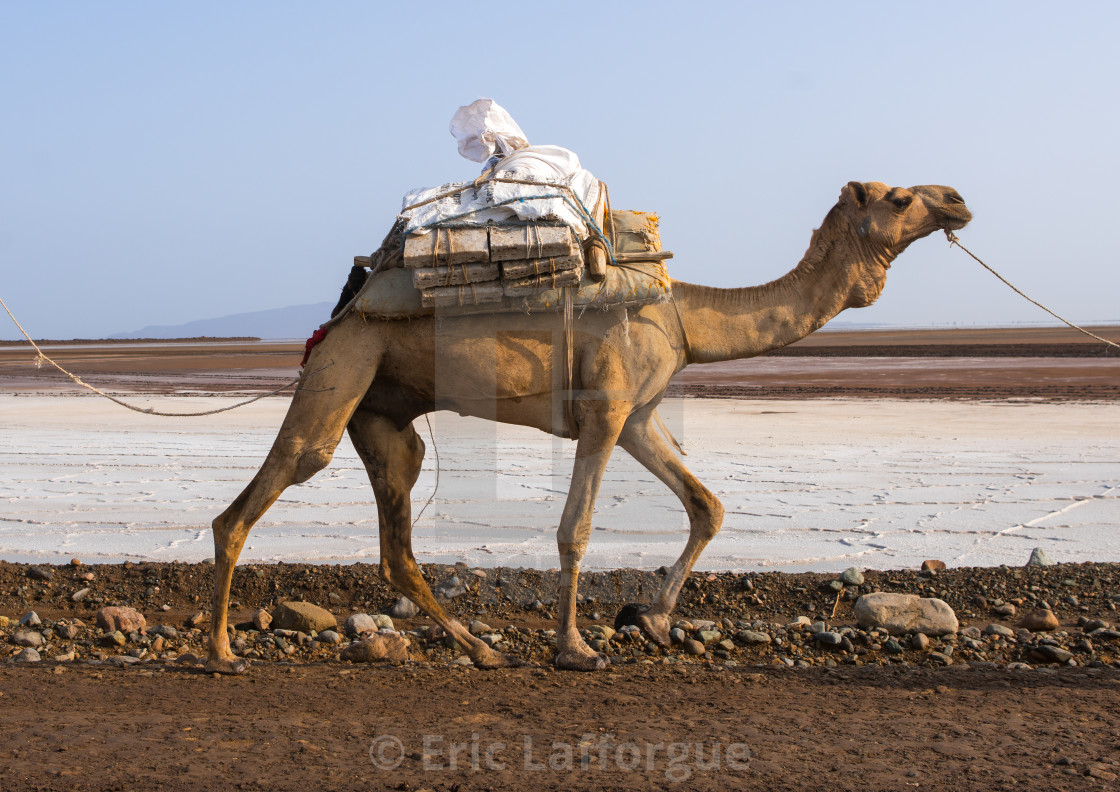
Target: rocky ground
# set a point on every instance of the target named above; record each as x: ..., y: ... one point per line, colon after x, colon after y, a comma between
x: 770, y: 665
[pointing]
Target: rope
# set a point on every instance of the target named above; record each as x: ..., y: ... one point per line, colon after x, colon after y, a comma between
x: 146, y: 410
x: 954, y: 241
x: 435, y: 489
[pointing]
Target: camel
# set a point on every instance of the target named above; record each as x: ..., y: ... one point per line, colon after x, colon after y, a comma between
x: 372, y: 378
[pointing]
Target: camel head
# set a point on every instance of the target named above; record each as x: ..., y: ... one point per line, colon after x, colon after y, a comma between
x: 885, y: 220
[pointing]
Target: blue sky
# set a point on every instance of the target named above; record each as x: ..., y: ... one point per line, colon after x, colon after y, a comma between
x: 167, y: 162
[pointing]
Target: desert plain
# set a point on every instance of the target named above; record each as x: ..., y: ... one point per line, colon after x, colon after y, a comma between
x: 874, y: 450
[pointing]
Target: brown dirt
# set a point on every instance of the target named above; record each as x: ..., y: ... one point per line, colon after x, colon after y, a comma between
x: 306, y: 720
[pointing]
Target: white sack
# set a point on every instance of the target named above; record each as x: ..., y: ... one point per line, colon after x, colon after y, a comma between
x: 484, y: 128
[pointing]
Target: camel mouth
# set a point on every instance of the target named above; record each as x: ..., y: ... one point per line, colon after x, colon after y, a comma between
x: 946, y: 205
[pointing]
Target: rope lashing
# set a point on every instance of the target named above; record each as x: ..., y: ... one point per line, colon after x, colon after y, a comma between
x: 42, y: 358
x: 953, y: 240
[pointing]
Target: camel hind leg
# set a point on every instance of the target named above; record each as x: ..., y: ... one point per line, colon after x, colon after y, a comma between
x: 336, y: 377
x: 646, y: 444
x: 392, y: 458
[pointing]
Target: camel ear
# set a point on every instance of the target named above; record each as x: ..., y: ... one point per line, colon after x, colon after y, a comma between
x: 858, y: 193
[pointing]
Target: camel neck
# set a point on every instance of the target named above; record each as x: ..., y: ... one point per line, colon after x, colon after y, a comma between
x: 728, y: 324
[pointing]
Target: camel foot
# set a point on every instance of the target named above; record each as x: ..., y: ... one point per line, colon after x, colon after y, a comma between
x: 654, y: 626
x: 233, y: 666
x: 578, y: 661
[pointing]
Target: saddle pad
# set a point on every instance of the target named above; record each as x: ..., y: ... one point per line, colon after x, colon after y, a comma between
x: 391, y: 295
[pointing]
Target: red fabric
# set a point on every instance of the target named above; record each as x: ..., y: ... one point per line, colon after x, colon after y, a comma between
x: 316, y: 337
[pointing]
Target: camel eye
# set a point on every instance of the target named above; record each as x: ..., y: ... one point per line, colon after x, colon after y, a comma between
x: 903, y: 202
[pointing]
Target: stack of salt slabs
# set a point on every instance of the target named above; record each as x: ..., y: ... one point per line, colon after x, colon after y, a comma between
x: 480, y: 265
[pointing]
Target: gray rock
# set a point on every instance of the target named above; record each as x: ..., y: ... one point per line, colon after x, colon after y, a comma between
x: 329, y: 637
x: 302, y: 616
x: 404, y: 609
x: 999, y: 629
x: 1040, y: 621
x: 28, y: 638
x: 188, y: 658
x: 677, y: 635
x: 66, y: 631
x: 111, y: 639
x: 939, y: 657
x: 899, y: 614
x: 703, y: 624
x: 124, y: 660
x: 493, y: 639
x: 360, y: 623
x: 27, y: 656
x: 971, y: 632
x: 477, y: 627
x: 852, y: 576
x: 919, y: 641
x: 1006, y: 610
x: 835, y: 585
x: 262, y: 619
x: 828, y: 638
x: 166, y: 630
x: 30, y: 619
x: 39, y: 573
x: 80, y: 595
x: 383, y: 622
x: 818, y: 626
x: 893, y: 647
x: 1039, y: 558
x: 708, y: 637
x: 752, y: 637
x: 121, y: 618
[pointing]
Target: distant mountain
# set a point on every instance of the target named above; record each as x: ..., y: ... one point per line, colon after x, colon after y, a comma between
x: 295, y: 321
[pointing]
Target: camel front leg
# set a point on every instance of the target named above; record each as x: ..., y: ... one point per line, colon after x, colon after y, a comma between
x: 326, y: 397
x: 646, y: 444
x: 599, y: 428
x: 392, y: 458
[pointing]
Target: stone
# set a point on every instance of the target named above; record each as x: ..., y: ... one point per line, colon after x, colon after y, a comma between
x: 111, y: 639
x: 383, y: 622
x: 800, y: 623
x: 262, y: 619
x: 377, y: 647
x: 1006, y: 610
x: 1050, y: 654
x: 360, y: 623
x: 919, y: 641
x: 899, y: 614
x: 708, y: 637
x: 66, y: 631
x: 30, y: 619
x: 39, y: 573
x: 188, y: 658
x: 750, y: 637
x: 852, y: 576
x: 893, y: 647
x: 303, y: 616
x: 27, y: 656
x: 940, y: 658
x: 197, y: 619
x: 157, y: 644
x: 828, y: 638
x: 75, y: 562
x: 404, y: 609
x: 694, y: 647
x: 608, y: 632
x: 835, y: 585
x: 1039, y: 558
x: 932, y: 565
x: 1039, y: 621
x: 166, y: 630
x: 329, y: 637
x: 677, y: 635
x: 477, y: 627
x: 121, y: 618
x: 28, y: 638
x: 999, y: 629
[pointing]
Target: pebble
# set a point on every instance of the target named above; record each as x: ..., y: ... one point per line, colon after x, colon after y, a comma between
x: 893, y: 647
x: 404, y: 609
x: 123, y: 619
x: 477, y: 627
x: 709, y: 636
x: 999, y: 629
x: 28, y: 638
x: 262, y: 619
x: 835, y: 585
x: 30, y: 619
x: 329, y: 637
x: 940, y: 657
x: 377, y: 647
x: 608, y: 632
x: 75, y: 562
x: 188, y: 658
x: 799, y: 623
x: 115, y: 638
x: 303, y: 616
x: 817, y: 626
x: 919, y: 641
x: 1039, y: 558
x: 694, y: 647
x: 1007, y: 610
x: 828, y: 638
x: 752, y: 637
x: 1051, y: 654
x: 27, y: 656
x: 906, y: 613
x: 1040, y: 621
x: 852, y: 576
x: 166, y: 630
x: 677, y: 635
x: 39, y: 573
x: 932, y: 565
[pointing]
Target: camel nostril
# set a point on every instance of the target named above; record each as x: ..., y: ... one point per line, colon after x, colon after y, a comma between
x: 954, y: 197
